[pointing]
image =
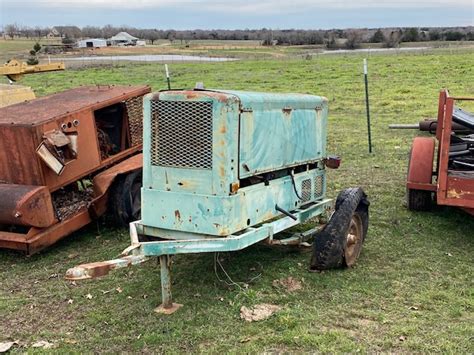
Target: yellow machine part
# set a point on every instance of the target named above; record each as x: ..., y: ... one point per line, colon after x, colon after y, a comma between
x: 12, y: 94
x: 14, y: 69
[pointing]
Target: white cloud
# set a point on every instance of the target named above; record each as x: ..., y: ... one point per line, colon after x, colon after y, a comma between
x: 257, y: 7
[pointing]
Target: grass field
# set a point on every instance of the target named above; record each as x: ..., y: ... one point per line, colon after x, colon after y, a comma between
x: 19, y: 48
x: 411, y: 291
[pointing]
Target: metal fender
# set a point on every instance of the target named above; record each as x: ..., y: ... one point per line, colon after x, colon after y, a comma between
x: 103, y: 181
x: 420, y: 167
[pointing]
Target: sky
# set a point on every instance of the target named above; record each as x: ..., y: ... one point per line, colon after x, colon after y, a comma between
x: 239, y: 14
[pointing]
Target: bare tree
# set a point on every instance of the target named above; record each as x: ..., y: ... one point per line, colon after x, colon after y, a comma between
x: 39, y: 32
x: 92, y: 32
x: 109, y: 31
x: 393, y: 40
x: 151, y: 35
x: 11, y: 30
x: 353, y: 39
x: 378, y: 37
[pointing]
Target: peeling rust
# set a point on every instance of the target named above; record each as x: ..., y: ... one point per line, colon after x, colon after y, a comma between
x: 221, y: 171
x: 287, y: 112
x: 26, y: 205
x: 452, y: 193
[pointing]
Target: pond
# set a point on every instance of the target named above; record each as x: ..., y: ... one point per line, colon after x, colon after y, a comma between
x: 147, y: 58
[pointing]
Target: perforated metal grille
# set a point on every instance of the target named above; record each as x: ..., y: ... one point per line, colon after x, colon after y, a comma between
x: 306, y: 190
x: 134, y: 108
x: 181, y: 134
x: 318, y: 186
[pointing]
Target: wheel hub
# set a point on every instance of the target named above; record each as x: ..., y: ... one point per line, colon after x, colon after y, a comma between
x: 353, y: 241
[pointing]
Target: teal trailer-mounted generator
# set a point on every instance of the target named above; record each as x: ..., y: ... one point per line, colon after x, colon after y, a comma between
x: 223, y: 170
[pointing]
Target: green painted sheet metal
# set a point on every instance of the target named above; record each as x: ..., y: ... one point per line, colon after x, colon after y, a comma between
x: 276, y: 139
x: 279, y: 130
x: 252, y: 133
x: 225, y: 130
x: 224, y: 215
x: 264, y: 101
x: 234, y: 242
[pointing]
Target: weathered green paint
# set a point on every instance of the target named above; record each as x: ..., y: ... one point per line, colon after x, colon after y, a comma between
x: 248, y: 237
x: 165, y: 281
x: 253, y: 133
x: 222, y: 215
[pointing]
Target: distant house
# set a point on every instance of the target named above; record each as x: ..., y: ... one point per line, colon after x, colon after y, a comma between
x: 123, y: 39
x: 65, y: 31
x: 92, y: 43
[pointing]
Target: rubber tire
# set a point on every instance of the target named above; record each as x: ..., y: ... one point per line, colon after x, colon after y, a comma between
x: 330, y: 243
x: 419, y: 200
x: 362, y: 208
x: 122, y: 196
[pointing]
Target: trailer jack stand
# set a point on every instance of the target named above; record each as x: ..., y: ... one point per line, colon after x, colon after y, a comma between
x: 167, y: 306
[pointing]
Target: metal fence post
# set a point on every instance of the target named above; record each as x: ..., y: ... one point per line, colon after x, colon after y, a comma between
x: 369, y: 136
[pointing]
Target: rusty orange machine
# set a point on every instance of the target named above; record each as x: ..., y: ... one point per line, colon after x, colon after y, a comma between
x: 448, y: 180
x: 67, y: 158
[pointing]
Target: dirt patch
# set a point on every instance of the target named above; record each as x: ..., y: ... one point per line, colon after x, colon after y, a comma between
x: 258, y: 312
x: 290, y: 284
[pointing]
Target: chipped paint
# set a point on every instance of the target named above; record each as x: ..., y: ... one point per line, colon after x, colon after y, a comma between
x: 261, y: 139
x: 452, y: 193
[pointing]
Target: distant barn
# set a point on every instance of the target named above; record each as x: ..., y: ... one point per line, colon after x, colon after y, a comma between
x: 92, y: 43
x: 123, y: 39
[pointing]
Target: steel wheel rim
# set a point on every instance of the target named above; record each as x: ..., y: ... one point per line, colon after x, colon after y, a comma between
x: 353, y: 240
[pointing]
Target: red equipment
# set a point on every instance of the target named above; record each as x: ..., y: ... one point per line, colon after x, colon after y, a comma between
x: 452, y: 180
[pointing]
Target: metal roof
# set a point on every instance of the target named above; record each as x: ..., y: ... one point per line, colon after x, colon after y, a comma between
x: 123, y: 36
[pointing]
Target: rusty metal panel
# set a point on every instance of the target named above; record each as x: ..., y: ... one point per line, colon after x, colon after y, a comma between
x: 102, y: 182
x: 459, y: 191
x: 26, y: 205
x: 87, y: 157
x: 47, y: 108
x: 18, y: 162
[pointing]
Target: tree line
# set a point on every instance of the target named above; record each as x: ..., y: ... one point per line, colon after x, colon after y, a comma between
x: 334, y: 38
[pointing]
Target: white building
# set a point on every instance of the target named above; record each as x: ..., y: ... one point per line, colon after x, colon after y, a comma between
x: 92, y: 43
x: 123, y: 39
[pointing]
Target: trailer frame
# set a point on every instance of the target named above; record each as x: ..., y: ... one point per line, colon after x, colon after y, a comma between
x: 163, y: 247
x: 450, y: 188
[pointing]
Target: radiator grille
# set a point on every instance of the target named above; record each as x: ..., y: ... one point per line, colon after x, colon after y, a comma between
x: 181, y: 134
x: 306, y: 190
x: 134, y: 108
x: 318, y: 186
